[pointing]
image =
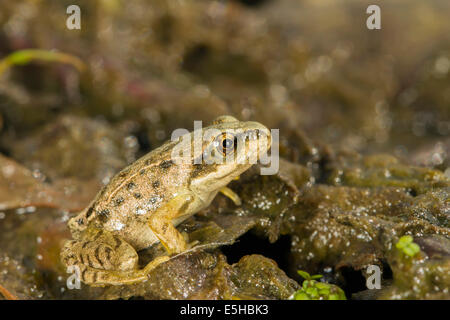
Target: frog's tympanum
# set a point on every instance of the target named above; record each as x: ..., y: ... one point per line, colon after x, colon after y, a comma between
x: 143, y: 203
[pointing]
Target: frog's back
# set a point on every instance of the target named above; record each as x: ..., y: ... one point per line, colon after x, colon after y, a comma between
x: 125, y: 204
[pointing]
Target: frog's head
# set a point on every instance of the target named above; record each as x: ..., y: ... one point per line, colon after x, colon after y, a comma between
x: 229, y: 147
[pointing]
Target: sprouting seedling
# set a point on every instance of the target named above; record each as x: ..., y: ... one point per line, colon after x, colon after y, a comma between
x: 314, y: 290
x: 406, y: 245
x: 305, y: 275
x: 22, y: 57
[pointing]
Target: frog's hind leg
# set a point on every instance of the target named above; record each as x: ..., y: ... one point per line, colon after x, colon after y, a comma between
x: 104, y: 259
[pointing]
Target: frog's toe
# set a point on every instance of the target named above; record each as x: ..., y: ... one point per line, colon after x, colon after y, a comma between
x: 192, y: 244
x: 154, y: 263
x: 232, y: 195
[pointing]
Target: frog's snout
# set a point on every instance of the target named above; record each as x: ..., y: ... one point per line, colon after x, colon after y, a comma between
x: 262, y: 135
x: 259, y: 140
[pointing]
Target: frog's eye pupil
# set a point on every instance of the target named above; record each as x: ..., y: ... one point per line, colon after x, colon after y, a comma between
x: 227, y: 143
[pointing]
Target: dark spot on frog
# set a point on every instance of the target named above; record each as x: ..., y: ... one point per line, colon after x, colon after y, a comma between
x: 108, y: 251
x: 198, y: 168
x: 118, y: 201
x: 118, y: 243
x: 70, y: 257
x: 98, y: 235
x: 102, y: 192
x: 83, y: 273
x: 156, y: 184
x: 203, y: 168
x: 80, y: 221
x: 122, y: 174
x: 130, y: 185
x: 137, y: 195
x: 97, y: 255
x: 103, y: 214
x: 89, y: 212
x: 142, y: 172
x: 166, y: 164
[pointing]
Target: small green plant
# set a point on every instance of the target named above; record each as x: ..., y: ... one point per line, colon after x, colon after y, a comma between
x: 406, y: 245
x: 315, y: 290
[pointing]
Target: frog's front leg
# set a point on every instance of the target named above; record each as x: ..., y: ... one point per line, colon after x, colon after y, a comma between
x: 161, y: 223
x: 105, y: 259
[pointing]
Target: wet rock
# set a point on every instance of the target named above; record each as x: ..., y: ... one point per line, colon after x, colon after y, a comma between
x: 268, y: 199
x: 344, y: 228
x: 202, y: 275
x: 258, y: 277
x: 384, y: 170
x: 426, y: 275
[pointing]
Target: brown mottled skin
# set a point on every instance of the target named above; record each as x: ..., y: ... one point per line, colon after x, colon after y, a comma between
x: 144, y: 202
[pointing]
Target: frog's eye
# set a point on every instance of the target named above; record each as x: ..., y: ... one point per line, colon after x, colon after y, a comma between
x: 226, y: 144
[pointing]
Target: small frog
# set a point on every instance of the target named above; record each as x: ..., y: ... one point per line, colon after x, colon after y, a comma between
x: 143, y: 203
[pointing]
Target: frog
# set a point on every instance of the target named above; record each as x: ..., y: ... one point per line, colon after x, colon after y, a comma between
x: 143, y: 204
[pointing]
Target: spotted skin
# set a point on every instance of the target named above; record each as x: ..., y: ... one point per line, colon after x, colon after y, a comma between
x: 142, y: 205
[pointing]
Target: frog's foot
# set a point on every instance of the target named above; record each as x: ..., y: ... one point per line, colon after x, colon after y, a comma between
x: 189, y: 245
x: 192, y: 244
x: 154, y: 263
x: 100, y: 278
x: 232, y: 195
x: 103, y: 259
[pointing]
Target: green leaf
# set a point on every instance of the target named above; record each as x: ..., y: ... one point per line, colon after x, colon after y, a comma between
x: 22, y: 57
x: 404, y: 241
x: 312, y: 292
x: 305, y: 275
x: 407, y: 246
x: 322, y: 285
x: 411, y: 250
x: 301, y: 296
x: 324, y: 292
x: 305, y: 284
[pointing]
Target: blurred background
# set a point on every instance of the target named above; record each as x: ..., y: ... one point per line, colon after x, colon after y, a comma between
x: 295, y: 65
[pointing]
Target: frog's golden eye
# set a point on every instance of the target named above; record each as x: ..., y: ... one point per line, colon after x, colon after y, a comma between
x: 226, y: 144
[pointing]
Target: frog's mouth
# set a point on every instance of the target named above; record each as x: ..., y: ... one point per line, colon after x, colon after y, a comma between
x: 215, y: 181
x: 232, y: 173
